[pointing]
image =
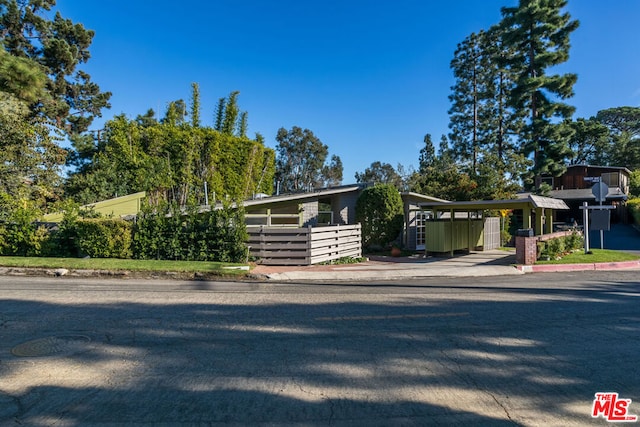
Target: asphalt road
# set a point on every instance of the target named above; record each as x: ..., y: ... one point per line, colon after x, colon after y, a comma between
x: 517, y: 350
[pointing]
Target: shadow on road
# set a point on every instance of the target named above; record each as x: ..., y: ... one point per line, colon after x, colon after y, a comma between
x: 325, y: 363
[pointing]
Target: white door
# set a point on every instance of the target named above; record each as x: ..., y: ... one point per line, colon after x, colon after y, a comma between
x: 421, y: 218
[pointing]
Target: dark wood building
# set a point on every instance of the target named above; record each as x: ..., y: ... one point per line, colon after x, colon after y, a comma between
x: 574, y: 187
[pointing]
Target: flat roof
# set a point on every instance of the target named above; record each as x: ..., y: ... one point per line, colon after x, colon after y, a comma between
x: 418, y: 197
x: 622, y: 168
x: 283, y: 198
x: 529, y: 201
x: 615, y: 193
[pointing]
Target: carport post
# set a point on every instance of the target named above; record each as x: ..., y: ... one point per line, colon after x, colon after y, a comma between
x: 539, y: 221
x: 451, y: 233
x: 469, y: 231
x: 548, y: 225
x: 526, y: 217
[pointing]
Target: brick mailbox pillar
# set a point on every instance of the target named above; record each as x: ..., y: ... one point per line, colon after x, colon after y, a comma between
x: 526, y: 247
x: 526, y: 250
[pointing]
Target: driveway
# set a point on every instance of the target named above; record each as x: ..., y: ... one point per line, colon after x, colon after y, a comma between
x: 621, y: 237
x: 475, y: 264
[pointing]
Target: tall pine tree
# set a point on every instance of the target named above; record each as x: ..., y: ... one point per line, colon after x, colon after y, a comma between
x: 537, y: 33
x: 467, y: 99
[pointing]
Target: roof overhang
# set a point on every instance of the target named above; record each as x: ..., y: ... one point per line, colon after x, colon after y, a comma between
x: 417, y: 198
x: 301, y: 197
x: 585, y: 194
x: 476, y: 205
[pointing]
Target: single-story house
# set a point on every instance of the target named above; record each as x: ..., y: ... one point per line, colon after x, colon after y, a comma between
x: 283, y: 222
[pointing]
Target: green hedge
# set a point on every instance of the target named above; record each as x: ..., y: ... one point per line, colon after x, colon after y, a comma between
x: 104, y: 238
x: 167, y: 232
x: 379, y: 210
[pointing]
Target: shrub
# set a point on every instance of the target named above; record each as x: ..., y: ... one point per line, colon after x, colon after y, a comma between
x: 573, y: 241
x: 169, y: 232
x: 555, y: 248
x: 379, y: 210
x: 104, y: 238
x: 20, y: 234
x: 634, y: 207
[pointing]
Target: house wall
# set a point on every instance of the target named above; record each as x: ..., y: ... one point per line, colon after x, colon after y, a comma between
x: 310, y: 213
x: 344, y: 208
x: 574, y: 178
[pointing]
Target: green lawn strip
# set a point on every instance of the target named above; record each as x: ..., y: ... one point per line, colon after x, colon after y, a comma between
x: 119, y: 264
x: 598, y: 255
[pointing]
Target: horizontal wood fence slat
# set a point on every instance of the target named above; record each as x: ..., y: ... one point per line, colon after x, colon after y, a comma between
x: 304, y: 246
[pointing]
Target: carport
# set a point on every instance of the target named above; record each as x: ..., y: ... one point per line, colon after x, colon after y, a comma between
x: 458, y: 222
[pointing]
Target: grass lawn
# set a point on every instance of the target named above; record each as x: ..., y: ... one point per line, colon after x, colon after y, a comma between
x: 598, y: 255
x: 120, y: 264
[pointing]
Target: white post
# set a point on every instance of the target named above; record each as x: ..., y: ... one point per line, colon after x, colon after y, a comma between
x: 585, y: 219
x: 601, y: 231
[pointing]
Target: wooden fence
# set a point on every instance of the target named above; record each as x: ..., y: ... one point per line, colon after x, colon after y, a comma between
x: 304, y: 246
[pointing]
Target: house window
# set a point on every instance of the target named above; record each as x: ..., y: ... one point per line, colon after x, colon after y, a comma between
x: 611, y: 179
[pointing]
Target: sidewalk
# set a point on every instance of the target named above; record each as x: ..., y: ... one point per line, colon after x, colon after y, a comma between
x: 475, y: 264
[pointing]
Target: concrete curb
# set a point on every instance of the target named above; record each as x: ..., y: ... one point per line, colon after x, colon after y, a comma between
x: 121, y: 274
x: 549, y: 268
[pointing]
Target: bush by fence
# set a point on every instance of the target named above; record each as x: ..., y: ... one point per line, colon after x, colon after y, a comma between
x: 104, y: 238
x: 166, y: 232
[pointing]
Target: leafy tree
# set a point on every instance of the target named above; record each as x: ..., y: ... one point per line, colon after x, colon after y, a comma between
x: 332, y: 172
x: 379, y: 210
x: 300, y: 161
x: 171, y: 160
x: 537, y: 33
x: 427, y: 155
x: 176, y: 113
x: 441, y: 176
x: 147, y: 119
x: 589, y: 142
x: 30, y: 160
x: 634, y: 183
x: 380, y: 173
x: 59, y: 47
x: 624, y: 144
x: 621, y: 120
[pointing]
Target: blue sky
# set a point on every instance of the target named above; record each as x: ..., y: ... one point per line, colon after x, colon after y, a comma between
x: 369, y: 78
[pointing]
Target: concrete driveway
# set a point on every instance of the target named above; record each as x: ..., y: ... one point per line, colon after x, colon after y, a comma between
x: 621, y: 237
x: 475, y: 264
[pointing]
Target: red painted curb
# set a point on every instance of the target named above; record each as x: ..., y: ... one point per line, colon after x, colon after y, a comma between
x: 547, y: 268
